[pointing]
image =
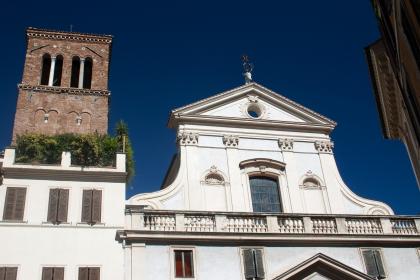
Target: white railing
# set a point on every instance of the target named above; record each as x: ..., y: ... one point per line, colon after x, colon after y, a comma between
x: 364, y: 226
x: 246, y: 224
x: 404, y: 226
x: 159, y: 222
x: 199, y: 223
x: 291, y: 225
x: 255, y: 223
x: 324, y: 225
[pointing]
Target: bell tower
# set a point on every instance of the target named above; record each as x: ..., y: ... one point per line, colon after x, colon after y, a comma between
x: 64, y: 88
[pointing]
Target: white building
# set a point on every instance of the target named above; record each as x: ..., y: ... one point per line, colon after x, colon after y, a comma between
x: 59, y: 222
x: 254, y: 193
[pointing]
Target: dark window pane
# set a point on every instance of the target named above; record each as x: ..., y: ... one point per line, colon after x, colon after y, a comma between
x: 184, y: 265
x: 265, y: 195
x: 45, y: 71
x: 188, y: 264
x: 75, y: 69
x: 178, y: 264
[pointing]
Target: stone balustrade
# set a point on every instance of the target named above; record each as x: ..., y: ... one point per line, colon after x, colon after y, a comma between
x: 282, y: 223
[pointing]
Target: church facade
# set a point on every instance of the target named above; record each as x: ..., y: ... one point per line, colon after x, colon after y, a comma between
x: 253, y: 192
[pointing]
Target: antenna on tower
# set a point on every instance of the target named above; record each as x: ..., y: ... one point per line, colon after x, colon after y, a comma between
x: 248, y: 67
x: 71, y: 27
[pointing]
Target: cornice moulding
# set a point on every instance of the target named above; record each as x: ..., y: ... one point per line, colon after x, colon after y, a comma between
x: 64, y: 90
x: 266, y: 238
x: 64, y: 175
x: 65, y: 35
x: 262, y: 162
x: 250, y: 123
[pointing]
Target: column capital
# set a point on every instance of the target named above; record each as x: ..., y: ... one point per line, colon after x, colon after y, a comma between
x: 231, y: 141
x: 286, y: 144
x: 325, y: 147
x: 187, y: 138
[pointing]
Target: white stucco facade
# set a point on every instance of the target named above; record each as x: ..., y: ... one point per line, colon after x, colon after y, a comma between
x: 205, y: 205
x: 34, y: 243
x: 217, y: 135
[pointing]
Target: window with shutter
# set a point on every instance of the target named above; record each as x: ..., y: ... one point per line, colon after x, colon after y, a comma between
x: 373, y: 263
x: 184, y: 264
x: 91, y: 206
x: 8, y: 273
x: 52, y: 273
x: 89, y: 273
x: 253, y: 263
x: 14, y: 205
x: 58, y: 206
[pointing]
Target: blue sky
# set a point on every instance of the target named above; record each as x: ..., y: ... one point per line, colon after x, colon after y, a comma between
x: 168, y: 54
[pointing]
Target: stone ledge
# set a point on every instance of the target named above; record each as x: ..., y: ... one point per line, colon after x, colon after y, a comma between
x: 65, y: 90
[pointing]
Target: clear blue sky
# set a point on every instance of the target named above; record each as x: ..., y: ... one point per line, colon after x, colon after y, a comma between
x: 168, y: 54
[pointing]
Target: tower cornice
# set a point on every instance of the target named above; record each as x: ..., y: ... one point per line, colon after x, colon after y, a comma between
x: 68, y: 36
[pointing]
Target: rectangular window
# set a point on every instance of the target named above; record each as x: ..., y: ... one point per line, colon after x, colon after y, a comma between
x: 89, y: 273
x: 52, y: 273
x: 253, y: 263
x: 265, y: 195
x: 58, y: 206
x: 14, y: 205
x: 373, y: 263
x: 8, y: 273
x: 91, y: 206
x: 184, y: 264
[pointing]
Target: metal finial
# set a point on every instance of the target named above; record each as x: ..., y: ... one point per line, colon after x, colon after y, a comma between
x: 248, y: 67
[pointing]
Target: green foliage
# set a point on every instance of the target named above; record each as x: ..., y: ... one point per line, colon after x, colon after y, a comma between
x: 86, y: 150
x: 121, y: 130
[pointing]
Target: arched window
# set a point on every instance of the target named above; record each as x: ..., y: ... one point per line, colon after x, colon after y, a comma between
x: 75, y: 70
x: 214, y: 178
x: 46, y: 66
x: 265, y: 194
x: 58, y: 70
x: 87, y: 74
x: 311, y: 183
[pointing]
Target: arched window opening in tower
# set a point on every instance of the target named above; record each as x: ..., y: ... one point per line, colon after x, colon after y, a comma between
x: 45, y: 72
x: 75, y: 69
x: 87, y: 78
x: 58, y: 71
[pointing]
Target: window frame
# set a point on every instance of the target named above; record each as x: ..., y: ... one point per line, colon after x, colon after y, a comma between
x: 24, y: 217
x: 12, y: 266
x: 53, y: 267
x: 361, y: 250
x: 194, y: 262
x: 101, y: 222
x: 270, y: 168
x: 78, y: 267
x: 241, y: 257
x: 68, y: 205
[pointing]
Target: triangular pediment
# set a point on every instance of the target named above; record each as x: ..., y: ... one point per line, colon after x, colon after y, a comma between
x: 323, y: 267
x: 250, y: 104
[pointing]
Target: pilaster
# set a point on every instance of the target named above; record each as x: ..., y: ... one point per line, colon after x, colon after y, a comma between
x: 237, y: 195
x: 189, y: 143
x: 286, y: 146
x: 326, y: 157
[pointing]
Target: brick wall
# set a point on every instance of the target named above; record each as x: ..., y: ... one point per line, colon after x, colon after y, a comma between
x: 53, y: 110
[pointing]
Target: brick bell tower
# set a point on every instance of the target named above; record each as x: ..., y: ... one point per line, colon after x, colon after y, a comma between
x: 64, y: 87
